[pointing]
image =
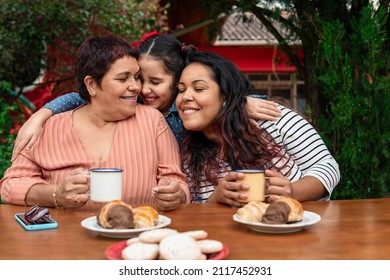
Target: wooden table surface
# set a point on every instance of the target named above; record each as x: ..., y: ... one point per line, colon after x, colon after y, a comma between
x: 349, y: 229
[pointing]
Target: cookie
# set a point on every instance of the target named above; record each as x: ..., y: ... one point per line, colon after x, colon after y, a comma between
x: 179, y: 246
x: 132, y: 240
x: 140, y: 251
x: 155, y: 235
x: 197, y: 234
x: 209, y: 246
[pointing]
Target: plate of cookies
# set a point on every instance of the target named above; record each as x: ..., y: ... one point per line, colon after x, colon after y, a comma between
x: 168, y: 244
x: 285, y: 215
x: 117, y: 219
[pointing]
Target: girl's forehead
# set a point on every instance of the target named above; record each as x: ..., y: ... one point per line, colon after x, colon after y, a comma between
x: 151, y: 63
x: 150, y: 59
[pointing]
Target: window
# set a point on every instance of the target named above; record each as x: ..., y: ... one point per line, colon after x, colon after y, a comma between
x: 286, y: 85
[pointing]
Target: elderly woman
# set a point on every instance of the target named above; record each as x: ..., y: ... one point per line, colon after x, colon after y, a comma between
x: 111, y: 130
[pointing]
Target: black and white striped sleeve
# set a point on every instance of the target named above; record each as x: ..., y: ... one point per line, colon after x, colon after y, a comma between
x: 306, y: 148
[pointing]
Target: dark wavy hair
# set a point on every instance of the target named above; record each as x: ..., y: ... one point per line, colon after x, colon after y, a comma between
x: 169, y: 51
x: 94, y: 58
x: 240, y: 142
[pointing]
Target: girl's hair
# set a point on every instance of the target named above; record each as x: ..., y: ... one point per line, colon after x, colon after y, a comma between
x: 240, y: 142
x: 95, y: 57
x: 169, y: 51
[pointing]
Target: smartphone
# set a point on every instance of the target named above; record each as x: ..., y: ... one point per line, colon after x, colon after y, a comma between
x: 49, y: 223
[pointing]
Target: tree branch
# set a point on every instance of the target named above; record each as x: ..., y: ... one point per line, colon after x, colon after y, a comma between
x: 295, y: 60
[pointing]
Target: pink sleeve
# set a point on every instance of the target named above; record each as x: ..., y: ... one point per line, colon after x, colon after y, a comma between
x: 18, y: 179
x: 169, y: 165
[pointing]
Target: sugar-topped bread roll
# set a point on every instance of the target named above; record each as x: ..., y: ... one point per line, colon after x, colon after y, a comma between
x: 209, y: 246
x: 197, y: 234
x: 180, y: 246
x: 140, y: 251
x: 155, y: 235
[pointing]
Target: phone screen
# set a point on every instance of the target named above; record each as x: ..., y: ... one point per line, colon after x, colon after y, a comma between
x: 46, y: 219
x: 48, y: 224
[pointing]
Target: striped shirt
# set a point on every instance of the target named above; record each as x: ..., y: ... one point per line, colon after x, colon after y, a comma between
x: 308, y: 155
x: 143, y: 146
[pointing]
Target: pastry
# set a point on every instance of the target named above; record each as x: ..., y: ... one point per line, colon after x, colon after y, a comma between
x: 252, y: 212
x: 115, y: 215
x: 156, y: 235
x: 210, y: 246
x: 132, y: 241
x: 179, y: 246
x: 284, y: 210
x: 145, y: 217
x: 140, y: 251
x: 197, y: 234
x: 171, y: 245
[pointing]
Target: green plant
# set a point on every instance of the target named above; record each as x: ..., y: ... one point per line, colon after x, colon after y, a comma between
x: 43, y: 35
x: 10, y: 117
x: 356, y: 83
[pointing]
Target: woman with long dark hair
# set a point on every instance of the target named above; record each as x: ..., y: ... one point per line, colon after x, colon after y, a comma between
x: 211, y: 102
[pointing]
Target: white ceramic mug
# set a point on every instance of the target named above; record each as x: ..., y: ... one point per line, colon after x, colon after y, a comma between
x: 105, y: 184
x: 256, y: 180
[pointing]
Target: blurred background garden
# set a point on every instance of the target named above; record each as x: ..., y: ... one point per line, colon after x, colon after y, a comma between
x: 342, y: 59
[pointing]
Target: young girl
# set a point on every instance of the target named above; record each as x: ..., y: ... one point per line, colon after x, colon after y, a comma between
x: 211, y: 101
x: 161, y: 61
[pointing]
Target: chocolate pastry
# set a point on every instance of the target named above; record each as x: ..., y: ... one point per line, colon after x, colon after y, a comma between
x: 116, y: 214
x: 276, y: 213
x: 284, y: 210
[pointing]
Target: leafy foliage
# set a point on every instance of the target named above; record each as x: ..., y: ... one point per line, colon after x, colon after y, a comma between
x: 357, y: 123
x: 9, y: 116
x: 44, y: 34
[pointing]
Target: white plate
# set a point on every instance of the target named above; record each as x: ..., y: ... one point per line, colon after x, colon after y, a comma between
x: 91, y: 224
x: 309, y: 218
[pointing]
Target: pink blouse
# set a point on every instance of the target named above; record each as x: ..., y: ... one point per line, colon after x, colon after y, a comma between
x: 144, y: 147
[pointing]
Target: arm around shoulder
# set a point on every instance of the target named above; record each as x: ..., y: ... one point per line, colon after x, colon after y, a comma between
x: 30, y: 131
x: 170, y: 165
x: 305, y: 145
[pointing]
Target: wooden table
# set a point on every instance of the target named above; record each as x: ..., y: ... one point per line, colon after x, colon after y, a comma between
x: 349, y: 229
